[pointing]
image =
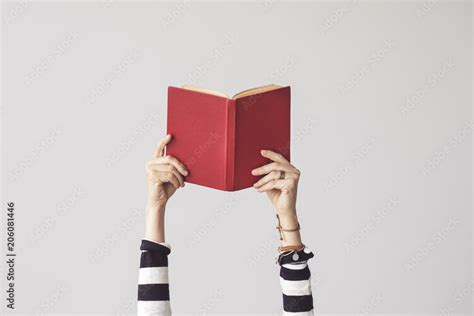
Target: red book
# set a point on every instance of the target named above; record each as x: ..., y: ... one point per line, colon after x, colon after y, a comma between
x: 219, y: 138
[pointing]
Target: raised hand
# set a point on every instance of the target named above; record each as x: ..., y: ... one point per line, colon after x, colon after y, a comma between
x: 280, y: 181
x: 164, y: 175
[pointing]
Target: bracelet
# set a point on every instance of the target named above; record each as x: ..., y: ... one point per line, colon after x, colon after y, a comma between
x: 281, y: 229
x: 291, y: 248
x: 294, y: 256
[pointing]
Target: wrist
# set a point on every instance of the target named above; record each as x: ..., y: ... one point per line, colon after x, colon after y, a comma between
x: 291, y: 239
x: 288, y: 219
x: 286, y: 210
x: 290, y: 228
x: 155, y: 224
x: 156, y: 207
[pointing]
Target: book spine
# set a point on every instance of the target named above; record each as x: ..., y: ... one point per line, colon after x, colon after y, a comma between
x: 230, y: 146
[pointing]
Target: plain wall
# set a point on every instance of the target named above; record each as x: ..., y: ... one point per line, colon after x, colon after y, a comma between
x: 381, y: 130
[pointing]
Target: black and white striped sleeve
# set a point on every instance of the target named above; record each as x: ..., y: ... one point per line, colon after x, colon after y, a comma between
x: 153, y: 285
x: 295, y: 281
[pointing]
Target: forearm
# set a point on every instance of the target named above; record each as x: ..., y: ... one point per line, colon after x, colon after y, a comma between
x: 155, y: 223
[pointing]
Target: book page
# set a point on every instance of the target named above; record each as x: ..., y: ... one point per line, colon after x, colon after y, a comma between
x: 238, y: 95
x: 256, y: 90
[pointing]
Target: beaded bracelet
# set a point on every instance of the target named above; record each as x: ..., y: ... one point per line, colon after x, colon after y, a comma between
x: 283, y: 249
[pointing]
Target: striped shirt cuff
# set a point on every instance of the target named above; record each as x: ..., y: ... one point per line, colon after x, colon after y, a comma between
x: 153, y: 283
x: 295, y: 281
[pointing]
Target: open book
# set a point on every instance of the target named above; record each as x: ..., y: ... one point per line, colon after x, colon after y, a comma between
x: 219, y: 138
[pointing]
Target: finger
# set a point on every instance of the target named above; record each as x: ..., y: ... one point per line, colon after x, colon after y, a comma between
x: 274, y: 175
x: 159, y: 151
x: 274, y: 156
x: 175, y: 182
x: 177, y: 164
x: 170, y: 160
x: 167, y: 177
x: 272, y: 184
x: 274, y: 166
x: 167, y: 168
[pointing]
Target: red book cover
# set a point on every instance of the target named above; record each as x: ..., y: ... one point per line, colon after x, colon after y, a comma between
x: 219, y: 138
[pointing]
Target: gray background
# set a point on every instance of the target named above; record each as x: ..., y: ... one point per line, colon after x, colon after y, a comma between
x: 381, y: 129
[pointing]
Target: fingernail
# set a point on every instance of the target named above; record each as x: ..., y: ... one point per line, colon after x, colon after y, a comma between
x: 185, y: 172
x: 263, y: 151
x: 253, y: 172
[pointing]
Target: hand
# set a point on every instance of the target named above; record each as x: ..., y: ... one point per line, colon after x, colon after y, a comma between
x: 280, y: 182
x: 164, y: 174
